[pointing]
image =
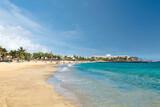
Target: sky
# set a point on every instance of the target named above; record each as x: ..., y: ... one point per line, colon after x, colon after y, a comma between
x: 82, y: 27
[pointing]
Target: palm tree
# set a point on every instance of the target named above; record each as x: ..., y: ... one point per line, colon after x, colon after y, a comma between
x: 13, y: 53
x: 28, y: 56
x: 3, y: 53
x: 21, y: 53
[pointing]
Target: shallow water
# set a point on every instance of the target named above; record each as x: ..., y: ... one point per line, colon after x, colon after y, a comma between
x: 110, y: 84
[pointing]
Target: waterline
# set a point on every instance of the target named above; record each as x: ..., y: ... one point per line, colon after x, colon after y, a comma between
x: 110, y: 84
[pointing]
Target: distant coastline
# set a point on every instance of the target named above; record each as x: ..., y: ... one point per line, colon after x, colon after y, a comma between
x: 21, y: 55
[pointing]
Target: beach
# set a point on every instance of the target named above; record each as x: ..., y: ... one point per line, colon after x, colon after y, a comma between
x: 25, y: 85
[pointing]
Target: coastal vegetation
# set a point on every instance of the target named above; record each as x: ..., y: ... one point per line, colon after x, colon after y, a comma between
x: 22, y: 55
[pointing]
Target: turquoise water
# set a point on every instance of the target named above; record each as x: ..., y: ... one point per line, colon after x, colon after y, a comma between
x: 110, y: 84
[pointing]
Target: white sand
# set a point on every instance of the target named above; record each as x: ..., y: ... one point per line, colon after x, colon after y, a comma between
x: 24, y: 85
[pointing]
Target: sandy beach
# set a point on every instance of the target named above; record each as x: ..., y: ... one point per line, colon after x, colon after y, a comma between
x: 24, y: 85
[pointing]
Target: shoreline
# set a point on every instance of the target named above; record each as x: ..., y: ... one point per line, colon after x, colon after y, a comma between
x: 67, y: 94
x: 90, y: 86
x: 25, y: 85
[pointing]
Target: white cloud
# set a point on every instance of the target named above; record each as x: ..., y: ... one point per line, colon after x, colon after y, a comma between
x: 108, y: 55
x: 11, y: 14
x: 12, y: 37
x: 16, y: 29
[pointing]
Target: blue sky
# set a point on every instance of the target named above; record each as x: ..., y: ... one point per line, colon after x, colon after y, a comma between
x: 84, y: 27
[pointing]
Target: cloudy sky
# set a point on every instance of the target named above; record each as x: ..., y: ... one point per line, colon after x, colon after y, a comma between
x: 82, y: 27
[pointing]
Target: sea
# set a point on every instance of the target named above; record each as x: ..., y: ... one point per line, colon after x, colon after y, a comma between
x: 109, y: 84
